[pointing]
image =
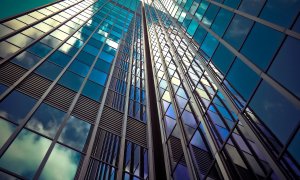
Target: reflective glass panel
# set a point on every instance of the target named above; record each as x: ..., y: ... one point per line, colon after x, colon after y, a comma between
x: 26, y: 60
x: 46, y: 120
x: 6, y: 129
x: 25, y: 154
x: 75, y: 133
x: 15, y: 106
x: 62, y: 164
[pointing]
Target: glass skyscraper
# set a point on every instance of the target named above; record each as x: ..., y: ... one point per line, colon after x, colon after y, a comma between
x: 152, y: 89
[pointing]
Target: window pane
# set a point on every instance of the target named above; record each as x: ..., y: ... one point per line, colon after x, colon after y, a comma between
x: 93, y: 90
x: 46, y: 120
x: 6, y: 129
x: 75, y: 133
x: 25, y: 154
x: 40, y: 49
x: 15, y: 106
x: 106, y: 57
x: 295, y: 146
x: 20, y: 40
x: 285, y: 68
x: 103, y: 66
x: 275, y: 111
x: 26, y: 60
x: 79, y: 68
x: 71, y: 80
x: 98, y: 77
x: 243, y: 79
x: 48, y: 70
x: 59, y: 58
x: 222, y: 58
x: 62, y: 164
x: 7, y: 49
x: 264, y: 42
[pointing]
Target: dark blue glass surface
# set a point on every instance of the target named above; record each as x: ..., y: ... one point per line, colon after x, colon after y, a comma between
x: 102, y: 65
x: 93, y: 90
x: 71, y: 80
x: 79, y: 68
x: 107, y: 57
x: 15, y: 106
x: 275, y: 111
x: 59, y: 58
x: 40, y: 49
x: 48, y: 70
x: 264, y: 42
x: 242, y: 78
x: 98, y: 77
x: 222, y: 58
x: 285, y: 68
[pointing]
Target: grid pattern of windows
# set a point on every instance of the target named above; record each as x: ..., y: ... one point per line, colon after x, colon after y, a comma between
x: 224, y: 57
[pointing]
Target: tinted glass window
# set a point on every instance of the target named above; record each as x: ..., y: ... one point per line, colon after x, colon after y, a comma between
x: 103, y: 66
x: 242, y: 78
x: 275, y: 111
x: 79, y: 68
x: 295, y: 146
x: 6, y: 129
x: 98, y: 77
x: 285, y: 68
x: 40, y: 49
x: 93, y: 90
x: 46, y: 120
x: 59, y: 58
x: 264, y: 42
x: 48, y: 70
x: 237, y: 31
x: 222, y: 58
x: 281, y: 12
x: 62, y: 160
x: 15, y: 106
x: 26, y: 60
x: 75, y: 133
x: 71, y: 80
x: 107, y: 57
x: 209, y: 45
x: 25, y: 154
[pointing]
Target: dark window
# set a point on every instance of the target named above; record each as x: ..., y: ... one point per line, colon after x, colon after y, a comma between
x: 15, y: 106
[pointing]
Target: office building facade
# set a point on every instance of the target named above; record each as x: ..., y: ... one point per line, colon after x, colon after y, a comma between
x: 162, y: 89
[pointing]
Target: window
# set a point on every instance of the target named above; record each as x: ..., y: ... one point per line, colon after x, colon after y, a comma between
x: 59, y: 58
x: 51, y: 41
x: 93, y: 90
x: 46, y: 120
x: 209, y: 45
x: 86, y: 58
x: 26, y: 60
x: 6, y: 129
x: 20, y: 40
x: 30, y: 149
x: 79, y: 68
x: 70, y: 50
x: 7, y: 49
x: 71, y: 80
x: 264, y: 42
x: 237, y: 31
x: 285, y: 68
x: 40, y: 49
x: 242, y: 78
x: 221, y: 22
x: 98, y: 77
x: 280, y: 12
x: 102, y: 65
x: 222, y: 58
x: 15, y: 106
x: 192, y: 28
x: 75, y: 133
x: 106, y: 57
x: 275, y: 111
x: 199, y: 35
x: 294, y: 147
x: 62, y: 160
x: 48, y: 70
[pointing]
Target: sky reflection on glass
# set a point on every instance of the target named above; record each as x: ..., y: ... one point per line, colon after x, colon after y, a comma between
x: 62, y: 164
x: 46, y: 120
x: 75, y: 133
x: 25, y: 154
